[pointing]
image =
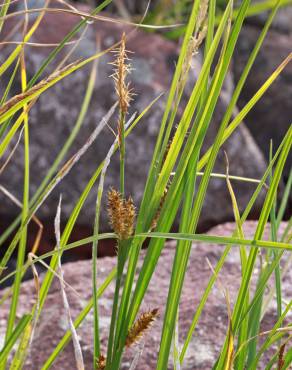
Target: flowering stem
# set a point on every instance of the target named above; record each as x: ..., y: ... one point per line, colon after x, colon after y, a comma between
x: 121, y: 248
x: 122, y: 257
x: 122, y: 153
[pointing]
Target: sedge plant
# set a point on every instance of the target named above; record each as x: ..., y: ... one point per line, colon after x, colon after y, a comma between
x: 175, y: 190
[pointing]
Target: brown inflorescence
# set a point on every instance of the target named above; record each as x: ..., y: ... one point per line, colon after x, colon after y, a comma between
x: 121, y: 214
x: 101, y: 362
x: 143, y: 323
x: 122, y: 68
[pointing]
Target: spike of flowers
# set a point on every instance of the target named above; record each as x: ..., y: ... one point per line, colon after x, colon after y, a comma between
x: 143, y: 323
x: 121, y: 214
x: 122, y: 68
x: 101, y: 362
x: 196, y: 40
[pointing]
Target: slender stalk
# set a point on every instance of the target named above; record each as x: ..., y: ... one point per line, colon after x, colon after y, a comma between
x: 274, y: 238
x: 122, y: 69
x: 96, y: 340
x: 122, y: 154
x: 122, y: 255
x: 25, y: 210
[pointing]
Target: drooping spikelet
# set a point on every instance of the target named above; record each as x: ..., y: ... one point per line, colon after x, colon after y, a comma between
x: 143, y: 323
x: 101, y: 362
x: 122, y: 68
x: 201, y: 27
x: 202, y: 16
x: 121, y: 214
x: 197, y: 39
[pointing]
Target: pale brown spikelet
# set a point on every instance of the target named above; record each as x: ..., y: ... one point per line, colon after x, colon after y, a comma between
x: 101, y: 362
x: 199, y: 36
x: 201, y: 27
x: 202, y: 16
x: 140, y: 326
x: 129, y: 216
x: 115, y: 210
x: 122, y: 68
x: 121, y: 214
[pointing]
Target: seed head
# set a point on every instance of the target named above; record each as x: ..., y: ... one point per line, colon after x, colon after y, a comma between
x: 129, y: 216
x: 122, y: 68
x: 143, y: 323
x: 121, y: 214
x: 101, y: 362
x: 196, y: 40
x: 202, y: 16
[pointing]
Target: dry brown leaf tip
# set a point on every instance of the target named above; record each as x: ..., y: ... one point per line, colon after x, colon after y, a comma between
x: 140, y: 326
x: 121, y: 214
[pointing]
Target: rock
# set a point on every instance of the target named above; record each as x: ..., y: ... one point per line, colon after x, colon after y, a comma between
x: 282, y: 21
x: 210, y: 332
x: 53, y: 117
x: 271, y: 117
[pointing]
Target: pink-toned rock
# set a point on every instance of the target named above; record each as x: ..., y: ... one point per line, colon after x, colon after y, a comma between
x: 210, y: 332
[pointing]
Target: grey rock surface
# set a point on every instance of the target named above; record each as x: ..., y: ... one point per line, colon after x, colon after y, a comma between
x: 211, y: 330
x: 271, y: 117
x: 53, y: 117
x: 282, y: 22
